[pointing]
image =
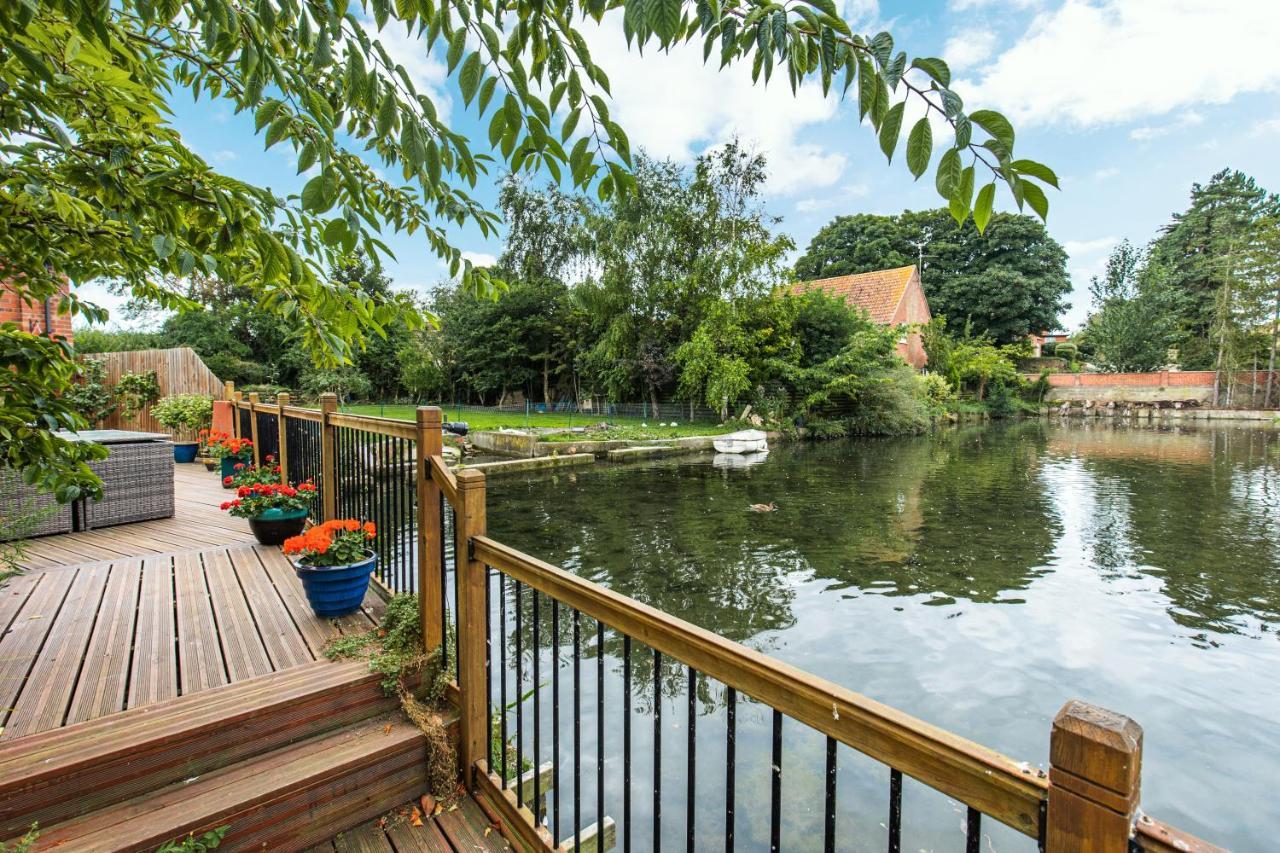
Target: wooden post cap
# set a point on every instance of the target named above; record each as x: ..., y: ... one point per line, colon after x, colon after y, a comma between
x: 328, y: 401
x: 430, y: 416
x: 1095, y: 773
x: 470, y: 478
x: 253, y: 396
x: 282, y: 399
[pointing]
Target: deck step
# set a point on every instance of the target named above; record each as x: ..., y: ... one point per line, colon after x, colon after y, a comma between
x: 55, y: 776
x: 285, y: 800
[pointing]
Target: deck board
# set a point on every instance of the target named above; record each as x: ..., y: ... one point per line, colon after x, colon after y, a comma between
x: 464, y: 828
x: 136, y: 614
x: 52, y: 679
x: 105, y: 675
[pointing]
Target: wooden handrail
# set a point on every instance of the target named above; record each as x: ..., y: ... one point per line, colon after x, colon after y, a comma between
x: 982, y: 778
x: 380, y: 426
x: 445, y: 479
x: 302, y: 414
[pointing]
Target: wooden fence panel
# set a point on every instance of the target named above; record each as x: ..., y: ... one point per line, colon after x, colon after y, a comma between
x: 178, y: 371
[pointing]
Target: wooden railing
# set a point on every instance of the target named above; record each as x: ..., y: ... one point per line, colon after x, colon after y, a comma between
x: 1087, y: 801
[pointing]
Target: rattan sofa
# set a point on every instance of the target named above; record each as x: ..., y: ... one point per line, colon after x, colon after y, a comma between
x: 26, y: 511
x: 137, y: 485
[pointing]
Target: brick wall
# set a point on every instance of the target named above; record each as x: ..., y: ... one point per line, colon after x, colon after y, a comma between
x: 1149, y: 387
x: 30, y: 316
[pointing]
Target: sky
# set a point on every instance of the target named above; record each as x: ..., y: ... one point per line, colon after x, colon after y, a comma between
x: 1129, y: 101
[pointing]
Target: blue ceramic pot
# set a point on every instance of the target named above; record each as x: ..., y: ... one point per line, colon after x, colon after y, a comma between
x: 228, y: 469
x: 276, y: 525
x: 185, y: 452
x: 334, y: 591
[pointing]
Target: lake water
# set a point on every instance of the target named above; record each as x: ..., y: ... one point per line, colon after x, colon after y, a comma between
x: 977, y: 578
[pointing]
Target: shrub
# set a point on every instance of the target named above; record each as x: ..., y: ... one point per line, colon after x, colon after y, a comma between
x: 184, y: 411
x: 136, y: 391
x: 92, y: 398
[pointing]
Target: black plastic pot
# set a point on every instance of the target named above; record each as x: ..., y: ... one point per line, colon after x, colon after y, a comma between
x: 274, y: 526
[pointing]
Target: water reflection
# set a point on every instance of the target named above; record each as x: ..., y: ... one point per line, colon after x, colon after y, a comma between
x: 976, y: 578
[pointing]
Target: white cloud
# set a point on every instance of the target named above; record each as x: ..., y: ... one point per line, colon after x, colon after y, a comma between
x: 968, y: 5
x: 226, y: 155
x: 675, y: 106
x: 1149, y: 132
x: 834, y: 198
x: 480, y: 259
x: 1104, y: 174
x: 1094, y: 62
x: 968, y: 48
x: 1266, y: 127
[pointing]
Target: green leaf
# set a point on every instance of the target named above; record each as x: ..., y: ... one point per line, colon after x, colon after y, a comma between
x: 163, y: 245
x: 664, y: 18
x: 919, y: 147
x: 996, y: 125
x: 982, y: 209
x: 456, y: 45
x: 948, y: 176
x: 1036, y: 170
x: 934, y: 67
x: 469, y: 77
x: 1035, y: 197
x: 890, y: 128
x: 306, y: 158
x: 265, y: 113
x: 964, y: 131
x: 962, y: 198
x: 278, y: 129
x: 321, y: 192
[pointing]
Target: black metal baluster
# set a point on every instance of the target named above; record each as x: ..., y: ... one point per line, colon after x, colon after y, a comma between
x: 895, y: 811
x: 775, y: 794
x: 555, y: 719
x: 488, y: 664
x: 537, y: 713
x: 519, y: 780
x: 444, y: 618
x: 502, y: 670
x: 457, y: 600
x: 829, y: 824
x: 577, y: 731
x: 1044, y: 825
x: 657, y: 750
x: 973, y: 831
x: 599, y: 733
x: 731, y: 748
x: 626, y: 744
x: 692, y: 770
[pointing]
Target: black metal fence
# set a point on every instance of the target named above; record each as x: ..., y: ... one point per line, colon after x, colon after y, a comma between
x: 268, y: 436
x: 376, y: 481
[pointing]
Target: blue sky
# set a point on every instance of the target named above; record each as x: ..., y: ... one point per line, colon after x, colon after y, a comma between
x: 1130, y: 101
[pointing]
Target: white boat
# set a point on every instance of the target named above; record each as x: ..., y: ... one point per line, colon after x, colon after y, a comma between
x: 744, y: 441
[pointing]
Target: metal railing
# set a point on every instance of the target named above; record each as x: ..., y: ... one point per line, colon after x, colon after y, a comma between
x: 509, y: 623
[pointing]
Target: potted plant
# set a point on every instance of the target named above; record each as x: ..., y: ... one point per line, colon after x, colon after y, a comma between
x: 183, y: 412
x: 334, y: 562
x: 231, y: 452
x: 253, y: 475
x: 276, y: 511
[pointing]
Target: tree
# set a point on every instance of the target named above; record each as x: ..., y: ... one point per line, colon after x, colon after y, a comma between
x: 1262, y: 269
x: 1008, y: 281
x: 1130, y: 325
x: 1203, y: 252
x: 96, y: 184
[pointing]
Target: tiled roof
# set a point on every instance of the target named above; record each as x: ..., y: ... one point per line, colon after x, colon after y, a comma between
x: 878, y: 293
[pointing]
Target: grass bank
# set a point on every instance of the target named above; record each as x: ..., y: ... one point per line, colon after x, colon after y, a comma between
x: 633, y: 429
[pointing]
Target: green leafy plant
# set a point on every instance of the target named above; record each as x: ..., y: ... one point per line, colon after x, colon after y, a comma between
x: 189, y: 412
x: 253, y: 501
x: 136, y: 391
x: 91, y: 397
x: 210, y: 840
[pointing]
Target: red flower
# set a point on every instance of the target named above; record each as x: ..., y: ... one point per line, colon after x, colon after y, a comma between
x: 226, y: 481
x: 271, y: 458
x: 239, y: 466
x: 226, y: 505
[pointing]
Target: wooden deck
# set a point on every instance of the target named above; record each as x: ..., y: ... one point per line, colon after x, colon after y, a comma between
x: 197, y: 523
x: 463, y: 828
x: 82, y: 641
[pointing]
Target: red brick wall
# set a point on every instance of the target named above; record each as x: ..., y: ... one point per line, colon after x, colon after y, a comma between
x: 914, y: 308
x: 30, y: 316
x: 1156, y: 379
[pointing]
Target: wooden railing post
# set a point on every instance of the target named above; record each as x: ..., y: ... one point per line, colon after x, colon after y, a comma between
x: 430, y: 443
x: 328, y: 456
x: 228, y: 390
x: 235, y: 413
x: 282, y: 443
x: 253, y: 425
x: 470, y: 579
x: 1095, y: 759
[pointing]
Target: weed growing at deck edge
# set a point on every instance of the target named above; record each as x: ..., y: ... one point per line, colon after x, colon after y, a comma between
x: 394, y: 650
x: 23, y: 844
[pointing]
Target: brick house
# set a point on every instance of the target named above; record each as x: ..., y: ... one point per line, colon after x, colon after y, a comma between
x: 891, y: 298
x: 37, y: 318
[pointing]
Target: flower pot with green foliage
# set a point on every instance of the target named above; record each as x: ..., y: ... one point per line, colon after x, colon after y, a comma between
x: 184, y: 413
x: 233, y: 455
x: 334, y: 562
x: 276, y: 511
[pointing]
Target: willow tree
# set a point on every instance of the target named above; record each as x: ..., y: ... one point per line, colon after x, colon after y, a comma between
x: 95, y: 183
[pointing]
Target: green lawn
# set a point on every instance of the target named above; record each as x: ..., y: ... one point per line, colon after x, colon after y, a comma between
x: 620, y: 427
